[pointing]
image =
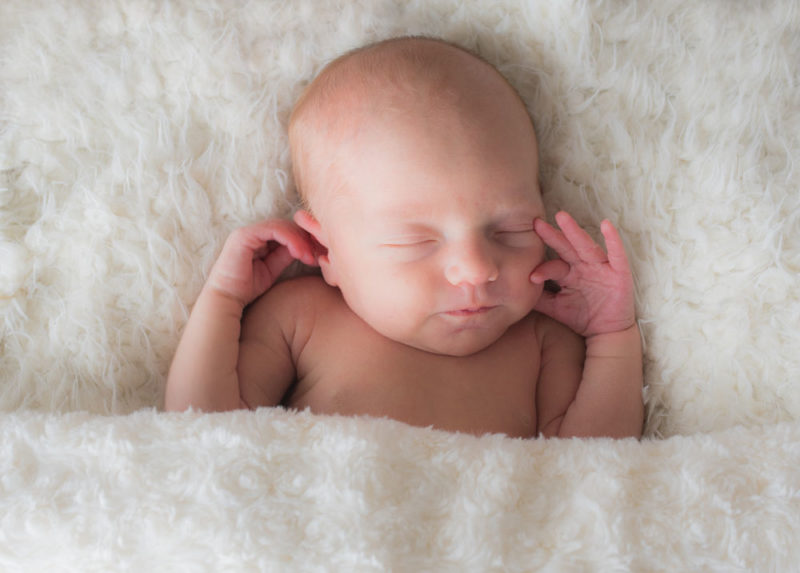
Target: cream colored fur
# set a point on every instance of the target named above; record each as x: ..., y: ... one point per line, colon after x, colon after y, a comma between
x: 134, y: 136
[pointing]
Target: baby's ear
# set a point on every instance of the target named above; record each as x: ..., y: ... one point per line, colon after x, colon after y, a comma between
x: 309, y: 224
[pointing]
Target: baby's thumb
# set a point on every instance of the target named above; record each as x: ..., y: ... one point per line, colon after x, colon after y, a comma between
x: 554, y: 270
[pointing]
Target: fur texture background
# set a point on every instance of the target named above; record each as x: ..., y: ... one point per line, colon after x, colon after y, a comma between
x: 134, y: 136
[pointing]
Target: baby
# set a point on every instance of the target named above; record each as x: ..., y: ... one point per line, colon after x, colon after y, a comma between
x: 417, y: 164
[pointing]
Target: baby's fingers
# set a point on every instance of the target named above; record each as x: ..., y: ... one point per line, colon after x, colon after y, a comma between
x: 556, y: 240
x: 277, y: 261
x: 287, y: 234
x: 555, y: 270
x: 616, y: 250
x: 582, y: 243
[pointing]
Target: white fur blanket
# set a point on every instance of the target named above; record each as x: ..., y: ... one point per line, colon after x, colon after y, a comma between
x: 135, y: 135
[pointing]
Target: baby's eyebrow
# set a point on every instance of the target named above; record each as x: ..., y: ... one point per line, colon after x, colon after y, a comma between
x: 404, y: 227
x: 420, y: 216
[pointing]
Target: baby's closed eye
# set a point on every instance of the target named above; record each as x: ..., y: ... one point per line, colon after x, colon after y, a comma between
x: 520, y: 236
x: 410, y: 247
x: 410, y: 241
x: 512, y: 236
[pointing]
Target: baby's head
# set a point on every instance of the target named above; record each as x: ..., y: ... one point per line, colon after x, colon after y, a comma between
x: 418, y: 165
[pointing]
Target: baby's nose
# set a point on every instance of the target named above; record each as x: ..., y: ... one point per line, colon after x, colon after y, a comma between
x: 470, y: 264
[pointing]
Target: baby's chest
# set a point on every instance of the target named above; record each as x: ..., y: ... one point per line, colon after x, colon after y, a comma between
x: 492, y: 391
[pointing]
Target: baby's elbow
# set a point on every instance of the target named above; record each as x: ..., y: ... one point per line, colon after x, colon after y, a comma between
x: 552, y: 429
x: 173, y: 403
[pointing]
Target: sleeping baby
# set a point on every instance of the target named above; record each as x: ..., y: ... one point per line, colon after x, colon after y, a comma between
x: 417, y: 165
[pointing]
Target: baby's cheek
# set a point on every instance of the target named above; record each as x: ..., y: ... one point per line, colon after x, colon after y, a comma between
x: 524, y: 290
x: 403, y: 292
x: 527, y: 299
x: 538, y: 255
x: 523, y: 266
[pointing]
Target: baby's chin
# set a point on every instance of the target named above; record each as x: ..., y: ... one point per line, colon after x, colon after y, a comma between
x: 461, y: 350
x: 459, y: 344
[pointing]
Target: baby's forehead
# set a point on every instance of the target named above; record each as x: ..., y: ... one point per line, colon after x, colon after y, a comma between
x: 405, y: 80
x: 400, y: 75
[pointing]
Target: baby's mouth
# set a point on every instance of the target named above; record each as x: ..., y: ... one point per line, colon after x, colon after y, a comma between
x: 469, y: 311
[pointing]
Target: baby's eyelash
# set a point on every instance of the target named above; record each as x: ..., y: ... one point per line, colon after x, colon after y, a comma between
x: 408, y: 243
x: 522, y: 238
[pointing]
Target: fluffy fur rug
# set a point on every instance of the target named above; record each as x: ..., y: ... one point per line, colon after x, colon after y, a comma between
x: 134, y: 136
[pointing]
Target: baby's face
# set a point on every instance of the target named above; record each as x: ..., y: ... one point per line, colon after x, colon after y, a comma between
x: 431, y: 241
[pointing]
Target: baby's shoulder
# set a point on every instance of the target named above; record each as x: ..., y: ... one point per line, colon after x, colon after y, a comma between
x: 308, y: 285
x: 301, y: 296
x: 293, y: 307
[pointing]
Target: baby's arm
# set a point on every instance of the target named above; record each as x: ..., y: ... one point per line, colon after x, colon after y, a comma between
x: 596, y: 302
x: 206, y: 367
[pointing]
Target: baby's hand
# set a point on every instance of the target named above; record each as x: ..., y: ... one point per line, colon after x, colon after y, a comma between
x: 596, y: 295
x: 254, y: 256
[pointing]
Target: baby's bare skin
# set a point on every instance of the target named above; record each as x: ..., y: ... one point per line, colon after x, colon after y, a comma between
x: 345, y: 367
x: 425, y: 218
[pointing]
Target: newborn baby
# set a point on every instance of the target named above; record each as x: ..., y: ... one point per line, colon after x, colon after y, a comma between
x: 417, y: 164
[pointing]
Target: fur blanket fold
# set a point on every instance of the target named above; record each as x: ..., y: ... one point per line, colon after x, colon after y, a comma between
x: 134, y: 136
x: 277, y: 491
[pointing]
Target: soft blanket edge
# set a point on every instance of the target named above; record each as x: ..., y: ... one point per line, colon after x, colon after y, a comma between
x: 280, y: 489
